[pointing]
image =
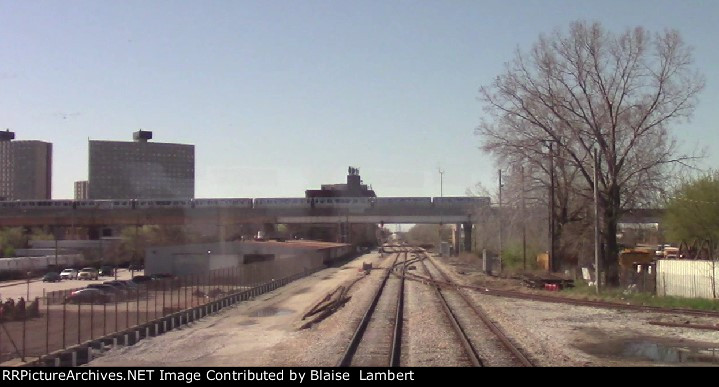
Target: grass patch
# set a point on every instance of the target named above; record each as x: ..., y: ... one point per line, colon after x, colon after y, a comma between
x: 513, y: 258
x: 582, y: 290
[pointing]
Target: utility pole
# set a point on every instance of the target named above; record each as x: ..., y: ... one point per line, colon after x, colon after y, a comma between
x: 500, y: 220
x: 54, y: 234
x: 597, y: 240
x: 441, y: 195
x: 524, y: 223
x: 552, y: 263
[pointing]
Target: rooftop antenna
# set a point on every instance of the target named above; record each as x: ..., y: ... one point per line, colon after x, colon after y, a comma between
x: 441, y: 182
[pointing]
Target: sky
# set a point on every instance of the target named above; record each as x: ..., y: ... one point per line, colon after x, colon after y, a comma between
x: 283, y: 96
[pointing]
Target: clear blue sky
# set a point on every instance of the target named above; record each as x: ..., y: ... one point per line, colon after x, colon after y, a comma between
x: 281, y: 96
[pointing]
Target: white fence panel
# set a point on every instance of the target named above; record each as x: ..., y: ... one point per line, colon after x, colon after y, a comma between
x: 683, y: 278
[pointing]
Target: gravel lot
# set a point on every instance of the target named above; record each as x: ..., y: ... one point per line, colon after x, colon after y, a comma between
x: 264, y: 331
x: 563, y: 335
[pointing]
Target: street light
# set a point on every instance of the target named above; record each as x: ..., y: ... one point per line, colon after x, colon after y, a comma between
x: 24, y: 318
x: 441, y: 220
x: 441, y: 183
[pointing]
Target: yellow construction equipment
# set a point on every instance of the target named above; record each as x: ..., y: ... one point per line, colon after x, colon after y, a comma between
x: 630, y: 257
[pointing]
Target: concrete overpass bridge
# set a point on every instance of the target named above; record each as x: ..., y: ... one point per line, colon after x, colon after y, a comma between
x: 186, y: 216
x: 129, y: 217
x: 462, y: 216
x: 220, y: 217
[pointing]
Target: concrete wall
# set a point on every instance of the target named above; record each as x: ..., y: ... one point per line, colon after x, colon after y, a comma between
x: 683, y: 278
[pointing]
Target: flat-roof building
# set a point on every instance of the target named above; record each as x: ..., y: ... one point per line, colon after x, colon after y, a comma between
x: 141, y: 169
x: 25, y: 169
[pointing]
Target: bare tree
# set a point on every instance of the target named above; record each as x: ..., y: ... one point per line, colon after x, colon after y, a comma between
x: 590, y: 89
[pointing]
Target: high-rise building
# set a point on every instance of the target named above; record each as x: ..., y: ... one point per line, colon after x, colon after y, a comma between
x: 81, y: 190
x: 25, y: 169
x: 141, y: 169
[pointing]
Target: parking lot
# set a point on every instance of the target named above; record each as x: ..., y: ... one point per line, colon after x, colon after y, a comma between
x: 17, y: 289
x: 52, y: 324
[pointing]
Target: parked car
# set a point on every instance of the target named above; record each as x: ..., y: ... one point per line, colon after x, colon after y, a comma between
x: 89, y: 295
x: 115, y: 291
x: 127, y: 284
x: 68, y: 274
x: 107, y: 271
x: 163, y: 276
x: 135, y: 267
x: 124, y: 286
x: 141, y: 279
x: 88, y: 273
x: 51, y: 277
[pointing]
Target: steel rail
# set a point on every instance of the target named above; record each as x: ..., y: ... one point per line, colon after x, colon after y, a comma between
x: 506, y: 342
x: 398, y: 320
x: 568, y: 300
x: 469, y: 349
x: 349, y: 353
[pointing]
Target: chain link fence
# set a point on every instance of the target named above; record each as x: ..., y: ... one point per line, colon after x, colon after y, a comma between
x: 57, y: 321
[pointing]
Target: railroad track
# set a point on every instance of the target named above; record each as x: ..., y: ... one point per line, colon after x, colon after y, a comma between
x: 591, y: 303
x: 484, y: 344
x: 377, y: 341
x: 565, y: 300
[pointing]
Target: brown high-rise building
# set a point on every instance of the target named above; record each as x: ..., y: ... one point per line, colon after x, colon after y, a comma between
x: 25, y: 169
x: 141, y: 169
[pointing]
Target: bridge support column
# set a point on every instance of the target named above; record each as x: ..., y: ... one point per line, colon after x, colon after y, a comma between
x: 344, y: 233
x: 457, y: 238
x: 467, y: 236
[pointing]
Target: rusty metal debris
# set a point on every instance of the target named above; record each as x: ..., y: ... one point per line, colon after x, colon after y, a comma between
x: 329, y: 304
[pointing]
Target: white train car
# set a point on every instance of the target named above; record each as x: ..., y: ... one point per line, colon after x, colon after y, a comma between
x: 346, y: 203
x: 37, y: 204
x: 114, y: 204
x: 403, y: 202
x: 270, y: 203
x: 44, y: 204
x: 222, y: 203
x: 85, y: 204
x: 162, y: 203
x: 461, y: 201
x: 105, y: 204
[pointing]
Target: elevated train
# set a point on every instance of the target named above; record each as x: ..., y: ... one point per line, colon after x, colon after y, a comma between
x: 352, y: 203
